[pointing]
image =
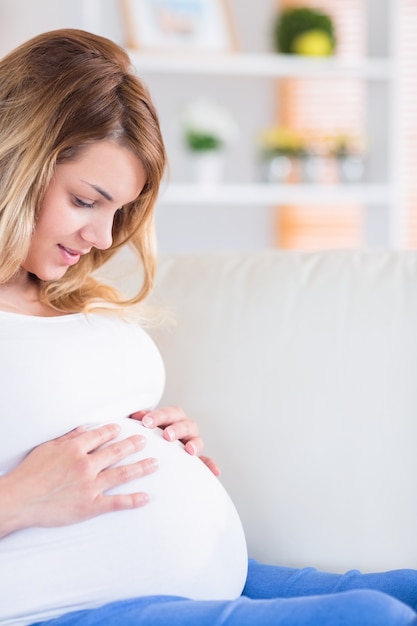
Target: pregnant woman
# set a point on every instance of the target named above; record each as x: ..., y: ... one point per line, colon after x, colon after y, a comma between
x: 108, y: 512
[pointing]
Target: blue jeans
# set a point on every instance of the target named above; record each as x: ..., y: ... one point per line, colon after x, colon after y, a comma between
x: 274, y: 596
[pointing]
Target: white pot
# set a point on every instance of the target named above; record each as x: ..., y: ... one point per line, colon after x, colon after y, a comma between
x: 207, y: 168
x: 351, y: 169
x: 277, y: 169
x: 311, y: 168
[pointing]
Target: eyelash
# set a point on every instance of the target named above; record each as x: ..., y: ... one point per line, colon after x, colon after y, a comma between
x: 83, y: 205
x: 86, y: 205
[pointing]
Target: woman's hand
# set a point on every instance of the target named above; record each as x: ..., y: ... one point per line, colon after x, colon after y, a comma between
x: 64, y: 481
x: 177, y: 426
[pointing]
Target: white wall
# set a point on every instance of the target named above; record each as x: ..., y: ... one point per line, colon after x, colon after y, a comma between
x: 21, y: 19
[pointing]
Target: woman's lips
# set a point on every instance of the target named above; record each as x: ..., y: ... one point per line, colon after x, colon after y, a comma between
x: 71, y: 257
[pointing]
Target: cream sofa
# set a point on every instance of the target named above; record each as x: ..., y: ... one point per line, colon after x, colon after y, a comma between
x: 301, y: 369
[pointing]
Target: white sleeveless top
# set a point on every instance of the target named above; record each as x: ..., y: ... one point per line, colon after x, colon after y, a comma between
x: 55, y: 374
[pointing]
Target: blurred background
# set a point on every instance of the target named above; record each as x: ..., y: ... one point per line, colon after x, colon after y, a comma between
x: 289, y: 124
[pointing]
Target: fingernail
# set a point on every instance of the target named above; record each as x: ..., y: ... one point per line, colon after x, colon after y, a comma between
x: 191, y: 448
x: 142, y: 499
x: 148, y: 421
x: 154, y: 464
x: 170, y: 433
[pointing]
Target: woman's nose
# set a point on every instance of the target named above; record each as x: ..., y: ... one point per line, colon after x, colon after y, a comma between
x: 98, y: 232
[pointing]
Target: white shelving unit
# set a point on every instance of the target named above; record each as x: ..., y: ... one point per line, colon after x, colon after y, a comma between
x: 263, y: 64
x: 272, y: 66
x: 177, y: 75
x: 246, y: 194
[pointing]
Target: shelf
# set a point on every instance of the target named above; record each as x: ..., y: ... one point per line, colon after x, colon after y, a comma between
x: 270, y: 195
x: 262, y: 65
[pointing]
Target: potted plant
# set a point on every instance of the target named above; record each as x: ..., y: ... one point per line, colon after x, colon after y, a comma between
x: 304, y: 30
x: 208, y: 129
x: 280, y: 148
x: 348, y: 151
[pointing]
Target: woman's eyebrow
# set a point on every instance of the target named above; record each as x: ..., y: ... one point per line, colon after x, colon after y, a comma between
x: 101, y: 191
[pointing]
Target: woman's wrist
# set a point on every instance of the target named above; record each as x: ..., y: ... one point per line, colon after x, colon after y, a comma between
x: 11, y: 509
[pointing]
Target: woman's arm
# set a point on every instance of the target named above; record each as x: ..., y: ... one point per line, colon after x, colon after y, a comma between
x: 64, y: 481
x: 177, y: 426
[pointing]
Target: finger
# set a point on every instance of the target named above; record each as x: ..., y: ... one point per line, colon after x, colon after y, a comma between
x: 212, y: 465
x: 90, y: 440
x: 163, y: 417
x: 115, y: 476
x: 73, y: 434
x: 184, y: 431
x: 194, y: 446
x: 121, y: 502
x: 139, y: 415
x: 118, y: 451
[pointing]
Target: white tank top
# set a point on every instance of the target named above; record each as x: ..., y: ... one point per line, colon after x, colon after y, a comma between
x: 55, y: 374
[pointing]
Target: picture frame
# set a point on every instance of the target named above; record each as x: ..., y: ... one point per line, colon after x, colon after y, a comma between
x: 179, y: 25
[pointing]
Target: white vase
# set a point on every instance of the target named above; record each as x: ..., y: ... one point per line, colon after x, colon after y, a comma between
x: 277, y: 169
x: 311, y: 168
x: 207, y: 167
x: 351, y: 168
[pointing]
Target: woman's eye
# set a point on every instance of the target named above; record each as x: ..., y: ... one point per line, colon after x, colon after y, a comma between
x: 82, y: 204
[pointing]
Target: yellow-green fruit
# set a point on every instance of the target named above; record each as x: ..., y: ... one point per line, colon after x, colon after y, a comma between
x: 315, y: 43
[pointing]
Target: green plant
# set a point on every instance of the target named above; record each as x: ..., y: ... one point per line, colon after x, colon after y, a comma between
x: 344, y: 145
x: 201, y: 142
x: 207, y: 126
x: 293, y: 23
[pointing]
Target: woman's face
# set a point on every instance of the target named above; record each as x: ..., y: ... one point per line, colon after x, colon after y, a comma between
x: 80, y: 203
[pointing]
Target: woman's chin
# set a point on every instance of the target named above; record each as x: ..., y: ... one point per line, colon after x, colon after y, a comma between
x: 51, y: 274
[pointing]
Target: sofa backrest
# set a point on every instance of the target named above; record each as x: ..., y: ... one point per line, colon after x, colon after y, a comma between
x: 301, y: 371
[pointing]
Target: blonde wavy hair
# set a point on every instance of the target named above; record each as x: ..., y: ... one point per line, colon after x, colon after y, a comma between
x: 59, y: 92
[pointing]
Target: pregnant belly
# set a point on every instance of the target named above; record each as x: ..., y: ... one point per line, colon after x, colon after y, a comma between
x: 188, y: 541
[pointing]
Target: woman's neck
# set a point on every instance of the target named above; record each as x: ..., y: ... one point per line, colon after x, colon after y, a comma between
x: 22, y: 295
